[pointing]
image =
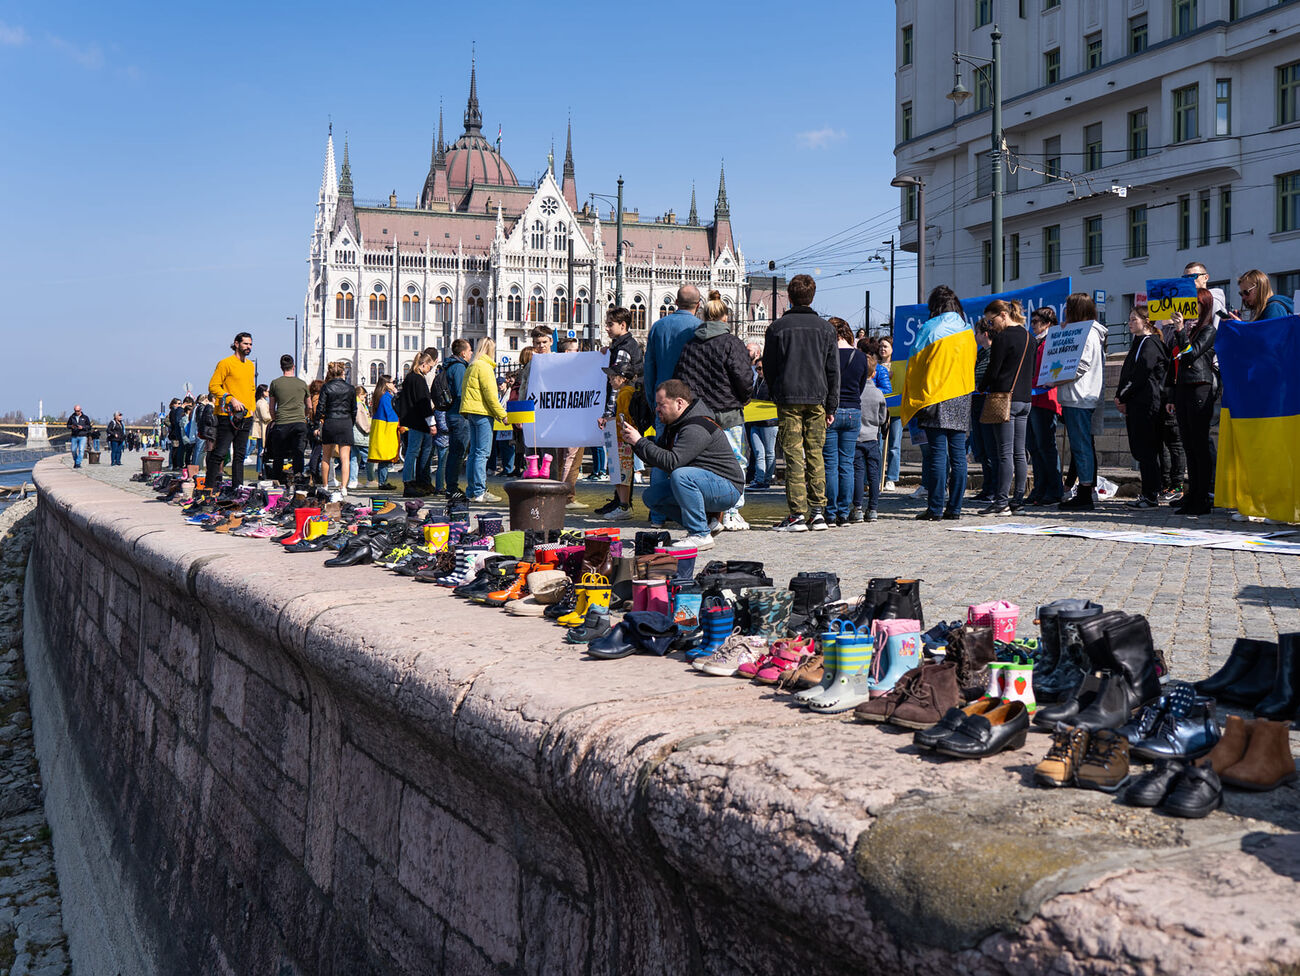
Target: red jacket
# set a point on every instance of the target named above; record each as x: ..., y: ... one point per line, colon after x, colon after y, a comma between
x: 1048, y: 399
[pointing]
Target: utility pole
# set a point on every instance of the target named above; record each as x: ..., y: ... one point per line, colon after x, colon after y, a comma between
x: 571, y: 292
x: 891, y: 284
x: 771, y: 267
x: 618, y: 266
x: 294, y: 320
x: 866, y: 312
x: 996, y: 157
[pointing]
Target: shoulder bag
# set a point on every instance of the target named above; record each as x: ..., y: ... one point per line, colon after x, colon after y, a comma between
x: 997, y: 406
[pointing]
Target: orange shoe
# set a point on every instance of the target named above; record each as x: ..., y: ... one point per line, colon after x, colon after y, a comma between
x: 516, y: 590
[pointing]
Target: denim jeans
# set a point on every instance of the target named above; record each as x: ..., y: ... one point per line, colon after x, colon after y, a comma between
x: 599, y: 461
x: 866, y: 475
x: 419, y: 445
x: 762, y: 452
x: 895, y: 448
x: 841, y: 439
x: 688, y: 495
x: 1008, y: 443
x: 440, y: 452
x: 480, y: 442
x: 1078, y: 427
x: 358, y: 462
x: 115, y: 449
x: 457, y: 450
x: 1042, y: 452
x: 944, y: 471
x: 77, y: 446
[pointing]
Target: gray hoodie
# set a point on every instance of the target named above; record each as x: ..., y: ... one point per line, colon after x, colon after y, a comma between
x: 874, y: 412
x: 1084, y: 391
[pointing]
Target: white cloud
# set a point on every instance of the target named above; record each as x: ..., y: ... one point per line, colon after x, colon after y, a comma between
x: 819, y: 138
x: 90, y: 56
x: 12, y: 36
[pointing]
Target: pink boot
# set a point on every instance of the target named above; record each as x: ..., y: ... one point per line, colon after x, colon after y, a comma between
x: 531, y: 471
x: 546, y: 466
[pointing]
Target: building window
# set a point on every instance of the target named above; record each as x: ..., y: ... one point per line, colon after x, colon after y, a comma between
x: 345, y: 340
x: 1137, y: 134
x: 1223, y: 107
x: 1049, y: 4
x: 1185, y: 113
x: 1234, y: 9
x: 536, y: 306
x: 637, y: 309
x: 986, y: 261
x: 983, y: 89
x: 1288, y: 93
x: 561, y: 237
x: 582, y: 315
x: 378, y: 305
x: 1225, y: 213
x: 378, y: 342
x: 1092, y: 52
x: 983, y: 174
x: 411, y: 305
x: 559, y: 308
x: 909, y: 204
x: 1051, y: 159
x: 1203, y: 219
x: 1288, y: 201
x: 907, y: 45
x: 1137, y: 34
x: 474, y: 307
x: 376, y: 371
x: 1012, y: 262
x: 538, y: 240
x: 1184, y: 17
x: 1092, y: 147
x: 907, y: 121
x: 1091, y: 241
x: 1184, y: 222
x: 1137, y: 232
x: 345, y: 303
x: 983, y: 12
x: 514, y: 305
x: 1052, y: 66
x: 1052, y: 249
x: 442, y: 309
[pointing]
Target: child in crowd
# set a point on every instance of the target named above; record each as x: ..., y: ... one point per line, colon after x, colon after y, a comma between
x: 866, y: 455
x: 620, y: 476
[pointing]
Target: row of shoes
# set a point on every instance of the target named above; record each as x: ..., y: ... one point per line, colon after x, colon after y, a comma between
x: 1260, y: 675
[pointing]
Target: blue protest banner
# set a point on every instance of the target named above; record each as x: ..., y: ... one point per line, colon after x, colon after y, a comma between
x: 908, y: 318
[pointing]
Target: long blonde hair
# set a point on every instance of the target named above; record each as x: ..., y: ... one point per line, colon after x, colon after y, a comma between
x: 487, y: 349
x: 1263, y: 289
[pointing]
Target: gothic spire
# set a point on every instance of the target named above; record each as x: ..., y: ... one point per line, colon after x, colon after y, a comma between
x: 442, y: 145
x: 329, y: 180
x: 473, y: 117
x: 568, y: 152
x: 721, y: 208
x: 694, y: 218
x: 345, y: 183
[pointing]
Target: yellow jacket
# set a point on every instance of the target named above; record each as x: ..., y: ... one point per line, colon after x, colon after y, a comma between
x: 479, y: 390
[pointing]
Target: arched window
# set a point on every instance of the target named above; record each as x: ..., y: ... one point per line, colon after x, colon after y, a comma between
x: 536, y: 306
x: 761, y: 313
x: 583, y: 314
x: 376, y: 371
x: 559, y: 307
x: 561, y: 237
x: 378, y: 304
x: 539, y: 235
x: 475, y: 307
x: 666, y: 306
x: 345, y: 303
x: 514, y: 305
x: 406, y: 368
x: 638, y: 312
x: 411, y: 305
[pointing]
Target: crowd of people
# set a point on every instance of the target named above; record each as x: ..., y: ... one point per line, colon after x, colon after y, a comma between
x: 824, y: 391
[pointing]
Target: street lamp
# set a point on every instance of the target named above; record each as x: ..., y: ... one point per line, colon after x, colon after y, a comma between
x: 958, y: 95
x: 294, y: 320
x: 618, y: 223
x: 902, y: 182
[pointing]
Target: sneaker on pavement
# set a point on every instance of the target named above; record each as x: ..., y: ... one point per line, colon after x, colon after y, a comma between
x: 920, y: 493
x: 618, y: 514
x: 890, y: 486
x: 735, y: 651
x: 702, y: 541
x: 575, y: 505
x: 715, y: 526
x: 488, y: 498
x: 733, y: 522
x: 871, y: 515
x: 791, y: 523
x: 608, y: 507
x: 818, y: 522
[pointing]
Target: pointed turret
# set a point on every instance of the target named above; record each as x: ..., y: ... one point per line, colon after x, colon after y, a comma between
x: 473, y: 117
x: 722, y: 217
x: 720, y: 207
x: 329, y: 179
x: 694, y: 219
x: 442, y: 146
x: 569, y: 187
x: 345, y: 183
x: 345, y: 215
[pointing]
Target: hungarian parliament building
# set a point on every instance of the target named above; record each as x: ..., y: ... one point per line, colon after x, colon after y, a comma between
x: 478, y: 254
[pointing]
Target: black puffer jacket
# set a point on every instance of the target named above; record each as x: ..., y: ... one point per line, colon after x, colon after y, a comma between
x: 1142, y: 377
x: 337, y: 401
x: 800, y: 360
x: 715, y: 365
x: 1193, y: 354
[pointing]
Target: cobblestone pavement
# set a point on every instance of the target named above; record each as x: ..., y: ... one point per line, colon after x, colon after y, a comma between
x: 1197, y: 600
x: 32, y: 941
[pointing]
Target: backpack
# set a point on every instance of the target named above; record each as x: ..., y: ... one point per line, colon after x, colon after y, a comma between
x: 440, y: 391
x: 642, y: 414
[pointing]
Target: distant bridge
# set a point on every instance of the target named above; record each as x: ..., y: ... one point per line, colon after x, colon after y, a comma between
x: 16, y: 434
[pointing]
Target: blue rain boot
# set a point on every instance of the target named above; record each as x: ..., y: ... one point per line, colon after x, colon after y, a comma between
x: 717, y: 623
x: 901, y: 654
x: 852, y: 683
x: 827, y: 647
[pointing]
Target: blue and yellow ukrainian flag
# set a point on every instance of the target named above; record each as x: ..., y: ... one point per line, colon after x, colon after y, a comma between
x: 521, y: 412
x: 941, y: 364
x: 1259, y: 425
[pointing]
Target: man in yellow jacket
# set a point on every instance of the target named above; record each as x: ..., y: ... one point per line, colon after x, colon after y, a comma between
x: 233, y: 387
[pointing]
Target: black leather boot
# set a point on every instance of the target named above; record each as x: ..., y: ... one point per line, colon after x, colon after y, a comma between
x: 1133, y: 654
x: 1283, y: 702
x: 1247, y: 677
x: 1061, y: 663
x: 1092, y: 641
x: 1109, y: 709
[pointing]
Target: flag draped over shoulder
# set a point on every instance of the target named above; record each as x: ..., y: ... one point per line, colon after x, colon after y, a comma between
x: 941, y: 365
x: 1259, y: 425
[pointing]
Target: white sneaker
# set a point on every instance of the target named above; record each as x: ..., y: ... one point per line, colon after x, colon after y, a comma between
x: 920, y: 493
x: 619, y: 515
x: 733, y: 522
x: 715, y: 526
x: 889, y: 486
x: 702, y: 541
x: 575, y: 505
x: 486, y: 498
x: 353, y: 483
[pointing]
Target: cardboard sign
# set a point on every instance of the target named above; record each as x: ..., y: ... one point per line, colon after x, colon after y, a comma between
x: 568, y: 395
x: 1165, y: 296
x: 1064, y: 346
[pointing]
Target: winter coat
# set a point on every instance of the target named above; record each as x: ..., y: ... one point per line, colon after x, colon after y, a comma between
x: 1084, y: 391
x: 715, y: 365
x: 414, y: 408
x: 337, y: 401
x: 480, y: 394
x: 78, y: 425
x: 116, y: 431
x: 1142, y: 377
x: 695, y: 440
x: 455, y: 368
x: 1193, y: 355
x: 1009, y: 348
x: 801, y: 361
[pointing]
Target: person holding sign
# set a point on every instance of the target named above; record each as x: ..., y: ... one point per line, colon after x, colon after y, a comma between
x: 1196, y: 387
x: 1080, y: 393
x: 479, y: 406
x: 1138, y: 397
x: 703, y: 477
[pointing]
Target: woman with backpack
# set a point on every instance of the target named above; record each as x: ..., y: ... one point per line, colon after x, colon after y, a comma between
x: 415, y: 413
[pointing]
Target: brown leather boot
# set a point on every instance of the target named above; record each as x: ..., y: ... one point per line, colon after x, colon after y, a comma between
x: 1231, y: 746
x: 596, y: 556
x: 974, y: 652
x: 929, y: 697
x: 1267, y: 763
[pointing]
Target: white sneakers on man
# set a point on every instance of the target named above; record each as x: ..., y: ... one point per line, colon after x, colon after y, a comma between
x: 702, y: 541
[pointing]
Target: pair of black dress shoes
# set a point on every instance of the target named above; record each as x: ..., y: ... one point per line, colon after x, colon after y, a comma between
x: 981, y: 729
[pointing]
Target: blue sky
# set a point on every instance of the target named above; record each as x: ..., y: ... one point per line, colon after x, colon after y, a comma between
x: 162, y: 160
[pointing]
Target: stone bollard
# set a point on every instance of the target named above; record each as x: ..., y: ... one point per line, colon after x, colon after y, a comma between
x: 537, y: 503
x: 150, y: 465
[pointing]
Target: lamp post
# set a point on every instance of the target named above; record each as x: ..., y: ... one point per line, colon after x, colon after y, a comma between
x: 890, y: 242
x: 958, y: 95
x: 294, y: 320
x: 902, y: 182
x: 618, y: 224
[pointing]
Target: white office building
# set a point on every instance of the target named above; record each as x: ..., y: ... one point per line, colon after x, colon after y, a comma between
x: 1140, y: 135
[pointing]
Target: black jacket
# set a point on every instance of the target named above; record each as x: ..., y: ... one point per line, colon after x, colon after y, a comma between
x: 79, y: 425
x: 337, y: 401
x: 695, y: 439
x: 800, y: 360
x: 205, y: 424
x: 116, y: 431
x: 1195, y: 365
x: 1005, y: 354
x: 715, y: 365
x: 1142, y: 377
x: 622, y: 349
x: 414, y: 407
x: 176, y: 423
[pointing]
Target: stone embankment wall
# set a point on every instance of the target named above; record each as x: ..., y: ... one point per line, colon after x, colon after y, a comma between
x: 257, y: 765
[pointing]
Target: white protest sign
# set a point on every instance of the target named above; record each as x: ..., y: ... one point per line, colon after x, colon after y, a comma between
x: 568, y: 393
x: 1061, y: 354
